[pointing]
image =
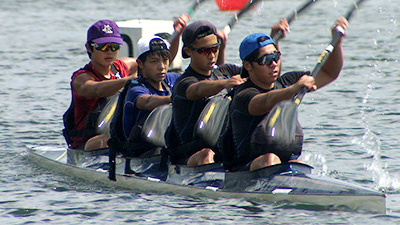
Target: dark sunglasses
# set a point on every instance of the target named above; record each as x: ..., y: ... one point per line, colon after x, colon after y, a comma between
x: 207, y: 50
x: 104, y: 47
x: 268, y: 58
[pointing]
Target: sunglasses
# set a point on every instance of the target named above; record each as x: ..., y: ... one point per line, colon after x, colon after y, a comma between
x: 268, y: 58
x: 104, y: 47
x: 207, y: 50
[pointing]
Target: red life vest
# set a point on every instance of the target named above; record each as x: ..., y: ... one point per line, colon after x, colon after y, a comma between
x: 80, y: 120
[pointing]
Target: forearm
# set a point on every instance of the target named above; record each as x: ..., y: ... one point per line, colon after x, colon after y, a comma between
x: 174, y: 47
x: 334, y: 63
x: 110, y: 87
x: 262, y: 104
x: 332, y: 67
x: 205, y: 88
x: 150, y: 102
x: 180, y: 24
x: 221, y: 53
x: 280, y: 61
x: 99, y: 89
x: 221, y: 56
x: 132, y: 66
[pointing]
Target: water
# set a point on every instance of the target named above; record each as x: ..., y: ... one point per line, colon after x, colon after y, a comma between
x: 351, y: 126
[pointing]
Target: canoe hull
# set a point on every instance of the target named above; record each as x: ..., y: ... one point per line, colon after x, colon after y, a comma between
x: 304, y: 190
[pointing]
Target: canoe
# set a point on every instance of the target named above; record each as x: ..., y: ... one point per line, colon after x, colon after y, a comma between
x: 291, y: 183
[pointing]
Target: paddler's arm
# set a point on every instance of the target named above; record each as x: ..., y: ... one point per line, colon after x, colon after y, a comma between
x: 282, y: 26
x: 207, y: 88
x: 180, y: 22
x: 86, y: 86
x: 150, y: 102
x: 132, y: 66
x: 333, y: 65
x: 262, y: 104
x: 221, y: 54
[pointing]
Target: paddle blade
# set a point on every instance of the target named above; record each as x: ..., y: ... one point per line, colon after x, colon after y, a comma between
x: 279, y: 132
x: 106, y: 116
x: 156, y: 125
x: 211, y: 120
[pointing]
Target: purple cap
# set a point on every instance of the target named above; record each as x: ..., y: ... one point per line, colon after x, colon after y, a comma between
x: 252, y: 43
x: 104, y: 31
x: 196, y: 30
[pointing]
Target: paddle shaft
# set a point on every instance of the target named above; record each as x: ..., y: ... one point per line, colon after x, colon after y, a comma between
x: 328, y: 50
x: 236, y: 17
x: 293, y: 16
x: 190, y: 12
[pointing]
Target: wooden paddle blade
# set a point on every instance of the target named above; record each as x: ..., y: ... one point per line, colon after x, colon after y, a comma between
x: 156, y: 125
x: 212, y: 119
x: 106, y: 115
x: 279, y: 132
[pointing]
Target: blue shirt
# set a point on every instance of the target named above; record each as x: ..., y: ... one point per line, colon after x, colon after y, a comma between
x: 132, y: 115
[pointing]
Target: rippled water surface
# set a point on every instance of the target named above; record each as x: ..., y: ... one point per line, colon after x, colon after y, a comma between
x: 351, y: 126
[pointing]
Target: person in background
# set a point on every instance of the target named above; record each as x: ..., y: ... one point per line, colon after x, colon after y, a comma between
x: 254, y: 99
x: 205, y: 77
x: 152, y: 89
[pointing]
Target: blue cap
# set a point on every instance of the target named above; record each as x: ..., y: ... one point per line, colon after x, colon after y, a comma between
x: 253, y: 42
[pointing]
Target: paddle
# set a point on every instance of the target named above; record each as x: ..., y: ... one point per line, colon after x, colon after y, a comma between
x: 293, y: 16
x: 106, y: 115
x: 190, y: 12
x: 280, y: 127
x: 235, y: 18
x: 156, y: 124
x: 212, y: 118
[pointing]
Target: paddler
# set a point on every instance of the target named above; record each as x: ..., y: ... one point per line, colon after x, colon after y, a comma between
x: 205, y: 77
x: 152, y: 89
x: 91, y: 85
x: 254, y: 99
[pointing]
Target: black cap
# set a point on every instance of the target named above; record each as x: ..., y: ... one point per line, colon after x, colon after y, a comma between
x: 196, y: 30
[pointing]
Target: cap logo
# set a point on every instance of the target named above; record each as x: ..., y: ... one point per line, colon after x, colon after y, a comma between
x: 107, y: 29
